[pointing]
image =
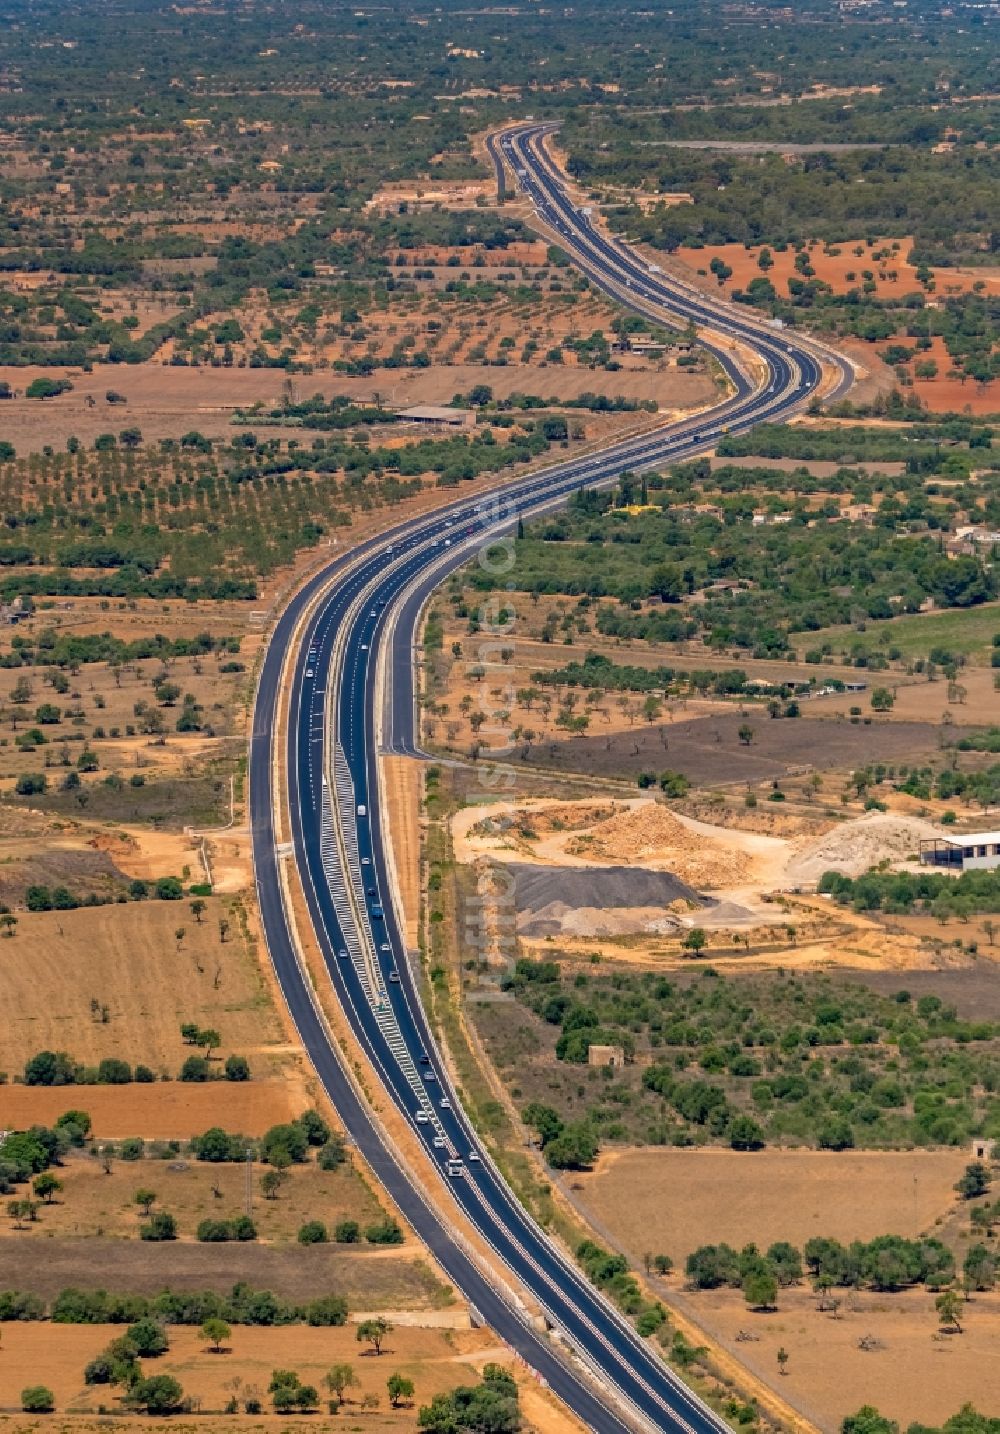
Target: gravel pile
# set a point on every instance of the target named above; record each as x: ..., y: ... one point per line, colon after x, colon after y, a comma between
x: 539, y: 887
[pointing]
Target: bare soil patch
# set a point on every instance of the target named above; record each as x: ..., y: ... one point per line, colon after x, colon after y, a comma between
x: 402, y: 781
x: 818, y: 467
x: 709, y: 752
x: 739, y: 939
x: 925, y: 702
x: 846, y: 266
x: 954, y: 941
x: 366, y: 1277
x: 946, y: 392
x: 872, y: 378
x: 913, y: 1373
x: 974, y: 991
x: 649, y: 830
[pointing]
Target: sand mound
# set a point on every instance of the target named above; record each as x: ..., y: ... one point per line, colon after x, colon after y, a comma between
x: 557, y: 919
x: 855, y: 847
x: 731, y: 913
x: 649, y: 832
x: 567, y: 816
x: 528, y: 824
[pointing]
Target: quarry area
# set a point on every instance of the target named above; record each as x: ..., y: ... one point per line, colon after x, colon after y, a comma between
x: 540, y: 531
x: 638, y: 876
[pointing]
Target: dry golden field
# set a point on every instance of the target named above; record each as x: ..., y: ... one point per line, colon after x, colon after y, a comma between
x: 117, y: 981
x: 680, y: 1199
x: 906, y: 1368
x: 95, y: 1202
x: 435, y: 1359
x: 165, y: 402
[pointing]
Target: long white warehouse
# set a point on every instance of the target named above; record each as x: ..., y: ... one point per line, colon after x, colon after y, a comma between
x: 965, y: 851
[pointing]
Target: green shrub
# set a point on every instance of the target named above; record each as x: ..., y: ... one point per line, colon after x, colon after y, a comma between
x: 215, y: 1232
x: 384, y: 1232
x: 331, y: 1155
x: 149, y: 1338
x: 159, y: 1394
x: 160, y: 1226
x: 36, y: 1399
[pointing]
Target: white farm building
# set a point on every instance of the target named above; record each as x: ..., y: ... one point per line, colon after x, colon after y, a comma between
x: 965, y: 851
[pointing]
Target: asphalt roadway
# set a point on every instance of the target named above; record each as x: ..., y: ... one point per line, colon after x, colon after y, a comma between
x: 358, y: 614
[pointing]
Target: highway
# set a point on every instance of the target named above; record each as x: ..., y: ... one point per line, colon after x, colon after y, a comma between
x: 358, y: 616
x: 493, y: 146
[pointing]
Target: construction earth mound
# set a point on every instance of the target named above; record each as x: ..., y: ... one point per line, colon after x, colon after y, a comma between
x: 647, y: 832
x: 857, y: 846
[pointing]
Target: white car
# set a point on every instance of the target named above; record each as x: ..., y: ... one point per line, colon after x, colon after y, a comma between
x: 445, y: 1103
x: 422, y: 1117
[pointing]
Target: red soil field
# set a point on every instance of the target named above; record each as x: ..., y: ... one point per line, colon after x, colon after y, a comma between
x: 834, y: 267
x: 893, y: 276
x: 950, y: 395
